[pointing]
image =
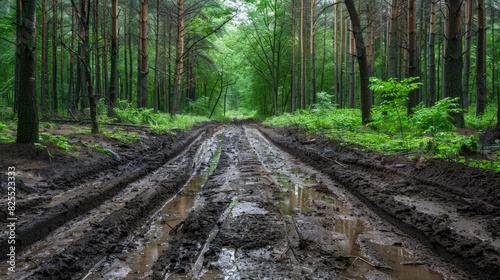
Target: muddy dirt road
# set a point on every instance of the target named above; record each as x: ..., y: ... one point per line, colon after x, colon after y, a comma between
x: 248, y: 202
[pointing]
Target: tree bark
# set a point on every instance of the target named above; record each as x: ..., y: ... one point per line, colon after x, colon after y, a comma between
x: 113, y: 83
x: 44, y: 91
x: 312, y: 55
x: 27, y: 125
x: 55, y: 105
x: 412, y: 70
x: 83, y: 13
x: 179, y: 60
x: 393, y: 40
x: 453, y: 58
x: 144, y: 53
x: 365, y: 97
x: 481, y: 59
x: 432, y: 55
x: 352, y: 70
x: 469, y: 16
x: 156, y: 91
x: 293, y: 94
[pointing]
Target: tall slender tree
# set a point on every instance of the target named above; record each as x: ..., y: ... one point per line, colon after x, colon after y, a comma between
x: 142, y: 84
x: 365, y: 96
x: 432, y: 55
x: 27, y: 125
x: 83, y: 15
x: 469, y: 18
x: 412, y: 67
x: 113, y: 83
x: 179, y: 59
x: 393, y: 40
x: 55, y: 102
x: 293, y: 72
x: 481, y: 59
x: 44, y: 91
x: 453, y: 57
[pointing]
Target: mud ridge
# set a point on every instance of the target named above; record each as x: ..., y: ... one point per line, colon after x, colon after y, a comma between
x: 192, y: 233
x: 379, y: 187
x: 41, y: 225
x: 106, y: 237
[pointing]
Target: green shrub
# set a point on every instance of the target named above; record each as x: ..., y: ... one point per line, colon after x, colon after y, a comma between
x: 436, y: 118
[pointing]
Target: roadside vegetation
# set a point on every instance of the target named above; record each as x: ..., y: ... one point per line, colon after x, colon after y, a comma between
x: 428, y: 132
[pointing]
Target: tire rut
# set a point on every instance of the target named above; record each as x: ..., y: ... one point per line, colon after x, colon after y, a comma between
x: 428, y: 211
x: 106, y: 232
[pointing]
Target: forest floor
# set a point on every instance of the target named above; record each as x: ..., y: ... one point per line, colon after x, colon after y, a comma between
x: 240, y: 200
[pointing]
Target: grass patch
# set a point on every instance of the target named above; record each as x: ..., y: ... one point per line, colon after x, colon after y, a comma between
x: 215, y: 158
x: 121, y: 135
x: 159, y: 123
x: 427, y: 131
x: 6, y: 135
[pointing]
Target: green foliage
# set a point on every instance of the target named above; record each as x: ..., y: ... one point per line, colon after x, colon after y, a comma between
x: 57, y: 141
x: 215, y: 158
x: 488, y: 119
x: 5, y: 134
x: 100, y: 149
x: 158, y: 123
x: 200, y: 106
x: 122, y: 135
x: 390, y: 115
x: 436, y: 118
x: 325, y: 116
x: 427, y: 131
x: 449, y: 145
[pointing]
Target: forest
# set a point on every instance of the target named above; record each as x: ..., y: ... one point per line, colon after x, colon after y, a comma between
x: 406, y: 70
x: 250, y: 139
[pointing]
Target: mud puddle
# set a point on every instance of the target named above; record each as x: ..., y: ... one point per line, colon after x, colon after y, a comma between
x: 142, y: 252
x: 143, y: 249
x: 303, y: 191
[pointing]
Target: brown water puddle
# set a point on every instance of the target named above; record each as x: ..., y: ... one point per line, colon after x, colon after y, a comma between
x: 137, y: 263
x: 142, y: 253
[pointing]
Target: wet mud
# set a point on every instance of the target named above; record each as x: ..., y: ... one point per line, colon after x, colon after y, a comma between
x: 243, y: 201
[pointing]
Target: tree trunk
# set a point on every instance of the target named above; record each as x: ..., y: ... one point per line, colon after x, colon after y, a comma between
x: 312, y: 55
x: 453, y: 60
x: 393, y: 40
x: 303, y: 60
x: 83, y: 11
x: 370, y: 35
x: 179, y: 60
x: 126, y: 31
x: 365, y: 97
x: 352, y: 72
x: 55, y: 104
x: 97, y: 52
x: 336, y: 52
x: 469, y: 16
x: 292, y: 82
x: 142, y: 96
x: 27, y: 125
x: 113, y: 83
x: 71, y: 88
x: 412, y: 68
x: 44, y: 93
x: 17, y: 80
x: 481, y: 59
x: 323, y: 60
x: 104, y: 54
x: 156, y: 91
x: 432, y: 56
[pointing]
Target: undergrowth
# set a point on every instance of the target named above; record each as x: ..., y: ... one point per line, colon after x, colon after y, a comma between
x: 158, y: 123
x: 428, y: 131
